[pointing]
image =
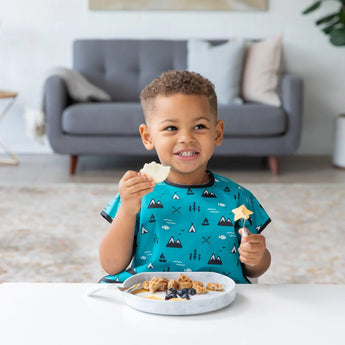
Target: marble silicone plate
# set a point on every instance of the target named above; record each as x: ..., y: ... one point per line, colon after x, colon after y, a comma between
x: 197, y: 304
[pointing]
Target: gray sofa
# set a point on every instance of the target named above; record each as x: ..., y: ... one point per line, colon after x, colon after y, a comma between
x: 122, y: 68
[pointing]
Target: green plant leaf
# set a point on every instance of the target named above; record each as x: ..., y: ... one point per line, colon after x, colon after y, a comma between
x: 328, y: 29
x: 337, y: 37
x: 312, y: 8
x: 327, y: 18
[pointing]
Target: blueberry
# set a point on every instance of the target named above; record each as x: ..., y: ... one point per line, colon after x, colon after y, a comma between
x: 191, y: 291
x: 186, y: 296
x: 171, y: 291
x: 180, y: 292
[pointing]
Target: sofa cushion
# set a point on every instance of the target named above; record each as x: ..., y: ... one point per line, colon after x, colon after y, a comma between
x: 262, y: 70
x: 252, y: 119
x: 103, y: 119
x: 123, y: 67
x: 221, y: 64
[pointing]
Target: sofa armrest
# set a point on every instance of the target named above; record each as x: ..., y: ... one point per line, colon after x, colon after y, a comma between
x: 292, y: 104
x: 56, y: 99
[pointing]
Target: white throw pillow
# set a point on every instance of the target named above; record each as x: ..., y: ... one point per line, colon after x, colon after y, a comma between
x: 261, y: 71
x: 78, y: 87
x: 221, y: 64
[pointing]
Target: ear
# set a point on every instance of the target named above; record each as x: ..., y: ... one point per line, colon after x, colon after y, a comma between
x: 219, y: 132
x: 146, y: 137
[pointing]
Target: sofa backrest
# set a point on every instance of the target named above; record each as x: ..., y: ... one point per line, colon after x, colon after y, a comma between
x: 123, y: 67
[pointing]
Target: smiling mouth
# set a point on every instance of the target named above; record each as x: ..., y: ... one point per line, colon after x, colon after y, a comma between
x: 187, y: 153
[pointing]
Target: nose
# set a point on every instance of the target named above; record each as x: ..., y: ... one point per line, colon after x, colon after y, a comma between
x: 186, y: 136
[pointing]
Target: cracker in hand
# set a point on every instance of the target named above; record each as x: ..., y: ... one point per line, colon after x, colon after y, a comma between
x: 156, y: 171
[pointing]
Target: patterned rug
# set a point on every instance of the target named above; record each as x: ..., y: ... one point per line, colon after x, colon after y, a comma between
x: 50, y: 233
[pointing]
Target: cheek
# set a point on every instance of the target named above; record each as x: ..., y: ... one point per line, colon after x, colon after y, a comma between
x: 162, y: 144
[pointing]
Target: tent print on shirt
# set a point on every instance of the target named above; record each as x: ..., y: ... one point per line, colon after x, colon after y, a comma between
x: 155, y: 204
x: 174, y: 244
x: 176, y: 197
x: 192, y: 228
x: 225, y: 222
x: 215, y: 261
x: 227, y: 189
x: 150, y: 266
x: 233, y: 250
x: 143, y: 230
x: 207, y: 194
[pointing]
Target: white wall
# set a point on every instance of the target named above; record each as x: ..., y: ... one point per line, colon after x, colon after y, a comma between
x: 37, y: 35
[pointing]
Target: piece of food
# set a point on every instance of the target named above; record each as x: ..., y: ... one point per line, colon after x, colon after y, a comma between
x: 171, y: 293
x: 199, y: 287
x: 214, y: 287
x: 192, y: 291
x: 241, y: 213
x: 184, y: 282
x: 173, y: 284
x: 185, y: 285
x: 146, y: 285
x: 195, y: 283
x: 200, y: 290
x: 183, y: 278
x: 158, y: 284
x: 156, y: 171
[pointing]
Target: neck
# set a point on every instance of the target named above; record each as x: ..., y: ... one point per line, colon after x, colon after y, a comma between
x: 189, y: 179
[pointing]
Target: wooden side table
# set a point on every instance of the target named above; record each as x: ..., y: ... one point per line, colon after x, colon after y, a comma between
x: 13, y: 158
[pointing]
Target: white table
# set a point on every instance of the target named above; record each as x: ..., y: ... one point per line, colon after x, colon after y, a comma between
x: 261, y: 314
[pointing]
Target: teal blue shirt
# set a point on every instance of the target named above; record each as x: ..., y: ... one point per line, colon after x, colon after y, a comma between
x: 190, y: 228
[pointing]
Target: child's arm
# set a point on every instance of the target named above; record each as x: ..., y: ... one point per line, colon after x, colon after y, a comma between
x: 116, y: 247
x: 254, y: 254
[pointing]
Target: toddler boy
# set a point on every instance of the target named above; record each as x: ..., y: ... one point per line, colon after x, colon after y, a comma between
x: 184, y: 223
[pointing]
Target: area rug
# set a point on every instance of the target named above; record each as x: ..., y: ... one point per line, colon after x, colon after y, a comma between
x: 51, y: 232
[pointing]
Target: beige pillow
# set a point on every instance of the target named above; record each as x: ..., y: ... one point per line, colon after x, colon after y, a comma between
x: 261, y: 72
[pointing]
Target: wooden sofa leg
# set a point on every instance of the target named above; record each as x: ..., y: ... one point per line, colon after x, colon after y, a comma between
x: 273, y: 162
x: 73, y: 164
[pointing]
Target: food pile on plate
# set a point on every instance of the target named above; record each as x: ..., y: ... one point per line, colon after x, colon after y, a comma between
x: 176, y: 289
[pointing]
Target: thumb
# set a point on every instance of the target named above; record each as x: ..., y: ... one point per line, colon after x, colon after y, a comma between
x: 244, y: 232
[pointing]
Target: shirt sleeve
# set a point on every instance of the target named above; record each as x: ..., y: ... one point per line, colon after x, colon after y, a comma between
x: 257, y: 221
x: 110, y: 210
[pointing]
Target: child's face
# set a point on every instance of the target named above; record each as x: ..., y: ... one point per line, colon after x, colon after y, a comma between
x: 183, y: 131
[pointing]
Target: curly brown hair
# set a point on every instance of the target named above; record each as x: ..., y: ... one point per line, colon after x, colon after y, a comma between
x: 174, y: 82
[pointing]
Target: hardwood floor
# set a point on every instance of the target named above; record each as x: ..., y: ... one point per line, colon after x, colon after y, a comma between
x: 46, y: 168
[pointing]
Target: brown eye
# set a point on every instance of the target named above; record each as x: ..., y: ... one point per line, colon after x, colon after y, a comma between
x: 171, y: 128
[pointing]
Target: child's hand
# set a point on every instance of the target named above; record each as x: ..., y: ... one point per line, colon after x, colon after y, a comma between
x: 252, y: 248
x: 132, y: 187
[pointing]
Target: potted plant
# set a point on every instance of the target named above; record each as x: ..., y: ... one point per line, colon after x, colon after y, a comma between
x: 333, y: 25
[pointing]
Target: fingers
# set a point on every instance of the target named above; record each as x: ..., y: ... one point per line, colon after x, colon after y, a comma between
x: 134, y: 183
x: 250, y: 258
x: 252, y: 249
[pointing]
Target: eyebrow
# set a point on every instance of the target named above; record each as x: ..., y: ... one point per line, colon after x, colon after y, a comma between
x: 196, y: 120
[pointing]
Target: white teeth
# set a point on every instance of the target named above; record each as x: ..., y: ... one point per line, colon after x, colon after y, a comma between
x: 187, y: 154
